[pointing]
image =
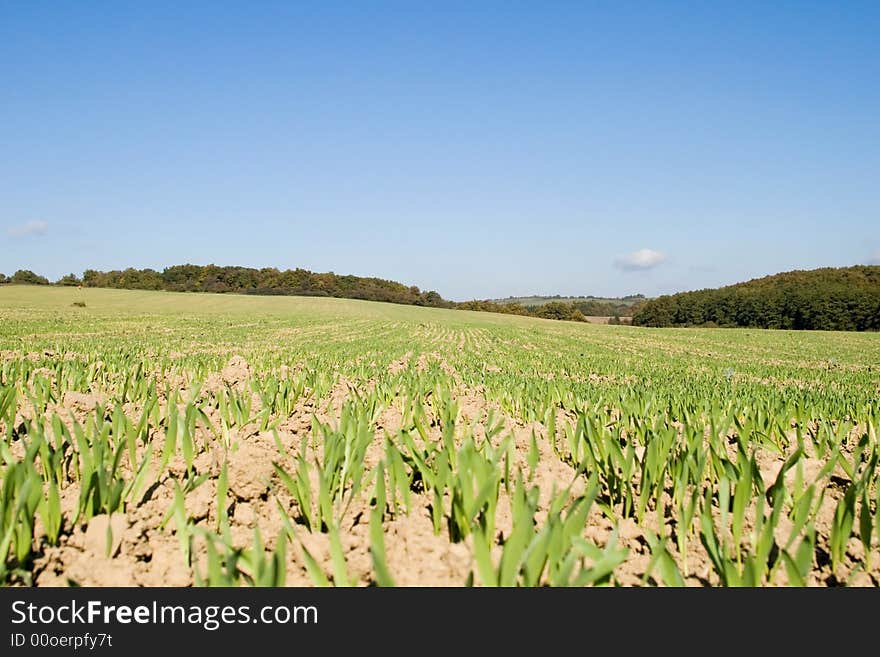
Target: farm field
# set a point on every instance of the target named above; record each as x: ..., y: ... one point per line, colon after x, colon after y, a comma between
x: 153, y: 438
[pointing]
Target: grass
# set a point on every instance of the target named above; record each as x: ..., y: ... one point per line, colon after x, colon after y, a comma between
x: 538, y: 452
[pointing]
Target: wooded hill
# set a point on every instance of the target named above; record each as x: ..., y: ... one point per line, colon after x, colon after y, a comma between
x: 842, y: 299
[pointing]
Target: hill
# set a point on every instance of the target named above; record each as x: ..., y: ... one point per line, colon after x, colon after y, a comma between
x: 270, y: 281
x: 586, y: 305
x: 246, y: 280
x: 843, y: 299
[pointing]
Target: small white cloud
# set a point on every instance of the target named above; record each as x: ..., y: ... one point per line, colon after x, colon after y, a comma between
x: 37, y: 227
x: 640, y: 260
x: 874, y: 258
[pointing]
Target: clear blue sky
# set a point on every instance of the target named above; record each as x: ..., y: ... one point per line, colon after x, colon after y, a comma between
x: 479, y: 149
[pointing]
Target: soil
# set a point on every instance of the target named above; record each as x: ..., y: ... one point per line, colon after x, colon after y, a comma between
x: 141, y: 548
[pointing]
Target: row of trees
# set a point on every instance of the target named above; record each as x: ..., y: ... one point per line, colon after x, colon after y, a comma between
x: 552, y: 310
x: 625, y: 307
x: 590, y: 306
x: 845, y: 299
x: 244, y: 280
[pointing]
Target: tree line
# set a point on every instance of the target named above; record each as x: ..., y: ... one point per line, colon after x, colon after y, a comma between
x: 840, y: 299
x: 624, y: 307
x: 243, y: 280
x: 552, y: 310
x: 587, y: 305
x: 846, y: 299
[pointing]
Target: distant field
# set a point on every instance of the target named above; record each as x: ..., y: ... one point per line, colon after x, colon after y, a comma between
x: 154, y: 438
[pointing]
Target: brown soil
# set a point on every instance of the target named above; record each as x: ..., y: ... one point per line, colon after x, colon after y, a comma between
x: 141, y: 548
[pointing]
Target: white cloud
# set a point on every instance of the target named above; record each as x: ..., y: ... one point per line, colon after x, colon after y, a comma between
x: 640, y: 260
x: 37, y: 227
x: 874, y: 258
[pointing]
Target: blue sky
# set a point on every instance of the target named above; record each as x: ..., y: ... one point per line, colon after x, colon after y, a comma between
x: 479, y: 149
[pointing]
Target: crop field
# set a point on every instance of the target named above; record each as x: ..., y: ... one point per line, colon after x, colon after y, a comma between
x: 151, y: 438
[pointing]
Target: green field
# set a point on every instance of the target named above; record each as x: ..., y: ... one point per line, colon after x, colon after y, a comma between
x: 166, y: 438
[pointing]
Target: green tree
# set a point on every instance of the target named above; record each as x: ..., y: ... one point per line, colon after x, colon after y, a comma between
x: 27, y: 277
x: 69, y: 280
x: 842, y: 299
